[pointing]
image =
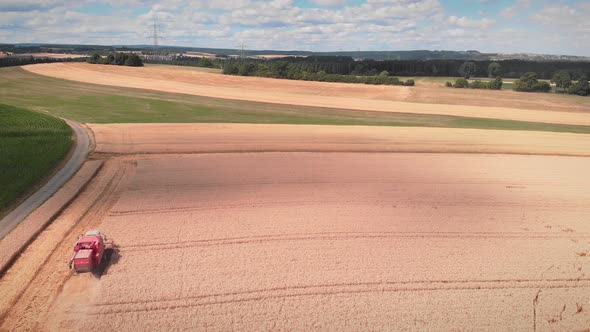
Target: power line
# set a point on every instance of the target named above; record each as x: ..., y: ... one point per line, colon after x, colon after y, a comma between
x: 155, y: 34
x: 243, y: 51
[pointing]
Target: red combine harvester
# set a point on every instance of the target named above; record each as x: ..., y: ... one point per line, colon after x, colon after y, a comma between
x: 89, y: 251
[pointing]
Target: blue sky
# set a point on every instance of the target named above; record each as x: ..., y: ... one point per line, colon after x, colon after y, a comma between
x: 540, y: 26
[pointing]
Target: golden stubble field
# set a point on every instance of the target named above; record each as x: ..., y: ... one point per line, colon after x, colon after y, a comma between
x: 187, y: 138
x: 508, y: 105
x: 309, y: 240
x: 346, y: 241
x: 293, y: 227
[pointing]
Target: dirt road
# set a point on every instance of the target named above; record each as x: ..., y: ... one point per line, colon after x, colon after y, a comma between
x: 482, y: 104
x: 314, y: 241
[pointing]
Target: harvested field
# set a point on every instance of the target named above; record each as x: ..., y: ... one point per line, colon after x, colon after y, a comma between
x: 199, y: 55
x: 92, y: 103
x: 200, y: 138
x: 279, y: 56
x: 12, y: 244
x: 37, y: 277
x: 235, y: 226
x: 50, y: 55
x: 497, y: 104
x: 305, y: 240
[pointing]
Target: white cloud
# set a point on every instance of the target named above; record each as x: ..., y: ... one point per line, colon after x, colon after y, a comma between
x: 565, y: 27
x: 519, y: 7
x: 329, y: 3
x: 280, y: 24
x: 27, y: 5
x: 508, y: 13
x: 464, y: 22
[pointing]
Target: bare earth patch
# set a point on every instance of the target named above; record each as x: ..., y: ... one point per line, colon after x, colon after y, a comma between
x: 331, y: 95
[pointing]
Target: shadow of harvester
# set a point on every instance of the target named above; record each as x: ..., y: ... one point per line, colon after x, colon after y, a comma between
x: 111, y: 257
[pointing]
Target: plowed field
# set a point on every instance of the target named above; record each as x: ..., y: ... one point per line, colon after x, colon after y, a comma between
x: 314, y: 241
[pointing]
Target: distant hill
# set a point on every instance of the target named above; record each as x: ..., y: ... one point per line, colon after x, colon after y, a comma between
x: 453, y: 55
x: 411, y: 55
x: 370, y: 55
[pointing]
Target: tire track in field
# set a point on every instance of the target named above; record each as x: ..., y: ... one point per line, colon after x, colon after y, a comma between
x: 32, y: 306
x: 328, y: 290
x: 306, y: 203
x: 344, y: 236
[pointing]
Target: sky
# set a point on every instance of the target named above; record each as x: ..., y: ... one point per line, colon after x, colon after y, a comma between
x: 505, y: 26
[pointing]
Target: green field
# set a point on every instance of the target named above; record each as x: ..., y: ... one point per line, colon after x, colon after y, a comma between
x: 508, y: 83
x: 31, y: 144
x: 104, y: 104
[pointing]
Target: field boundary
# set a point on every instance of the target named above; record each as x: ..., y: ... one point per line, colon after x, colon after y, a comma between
x: 20, y: 237
x: 60, y: 177
x: 392, y: 151
x: 86, y: 211
x: 128, y: 78
x: 47, y: 176
x: 133, y: 139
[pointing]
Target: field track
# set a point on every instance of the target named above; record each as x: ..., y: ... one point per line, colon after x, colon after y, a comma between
x: 305, y: 240
x: 79, y: 154
x: 548, y: 109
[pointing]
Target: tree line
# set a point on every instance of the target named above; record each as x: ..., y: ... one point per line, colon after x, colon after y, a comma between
x: 117, y: 59
x: 495, y: 84
x: 510, y: 68
x: 572, y: 79
x: 11, y: 61
x: 529, y: 82
x: 187, y: 61
x: 564, y: 82
x: 284, y: 69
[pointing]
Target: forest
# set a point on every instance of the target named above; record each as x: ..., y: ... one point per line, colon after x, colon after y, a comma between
x: 444, y: 68
x: 28, y: 60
